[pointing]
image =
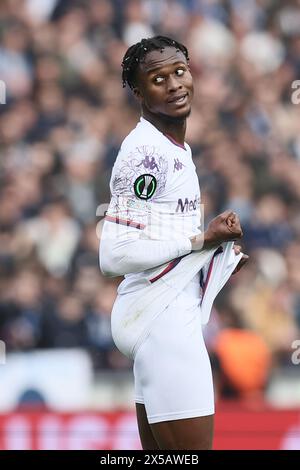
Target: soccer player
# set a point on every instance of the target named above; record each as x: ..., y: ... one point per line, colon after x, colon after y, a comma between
x: 172, y: 270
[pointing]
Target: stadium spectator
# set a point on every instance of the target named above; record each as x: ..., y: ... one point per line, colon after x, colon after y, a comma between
x: 65, y: 117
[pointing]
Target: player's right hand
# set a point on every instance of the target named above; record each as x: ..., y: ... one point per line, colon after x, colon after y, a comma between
x: 223, y: 228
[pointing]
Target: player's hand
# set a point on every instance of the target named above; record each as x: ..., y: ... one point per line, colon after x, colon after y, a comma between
x: 243, y: 260
x: 223, y: 228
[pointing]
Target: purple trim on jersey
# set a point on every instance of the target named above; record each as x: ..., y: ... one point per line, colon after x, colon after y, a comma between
x: 174, y: 142
x: 128, y: 223
x: 217, y: 252
x: 167, y: 269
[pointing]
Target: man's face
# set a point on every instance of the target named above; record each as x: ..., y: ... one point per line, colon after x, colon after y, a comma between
x: 165, y: 84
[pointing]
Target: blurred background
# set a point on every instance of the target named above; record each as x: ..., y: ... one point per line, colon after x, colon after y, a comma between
x: 63, y: 383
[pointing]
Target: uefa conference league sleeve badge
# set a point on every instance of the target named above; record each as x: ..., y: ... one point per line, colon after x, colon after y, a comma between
x: 145, y: 186
x: 142, y: 174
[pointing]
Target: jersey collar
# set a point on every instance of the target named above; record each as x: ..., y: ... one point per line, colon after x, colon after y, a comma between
x: 170, y: 139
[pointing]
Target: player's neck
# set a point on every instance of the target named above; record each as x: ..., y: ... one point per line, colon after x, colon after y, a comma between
x: 173, y: 128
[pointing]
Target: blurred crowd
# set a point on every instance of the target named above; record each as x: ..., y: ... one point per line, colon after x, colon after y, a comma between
x: 65, y: 116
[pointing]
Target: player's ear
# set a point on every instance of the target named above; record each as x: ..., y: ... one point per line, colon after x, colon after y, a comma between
x: 137, y: 94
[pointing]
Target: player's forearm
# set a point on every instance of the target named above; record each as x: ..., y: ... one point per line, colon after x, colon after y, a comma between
x: 223, y: 228
x: 203, y: 241
x: 118, y: 258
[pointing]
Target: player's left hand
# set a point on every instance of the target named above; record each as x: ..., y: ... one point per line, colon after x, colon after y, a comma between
x: 243, y: 261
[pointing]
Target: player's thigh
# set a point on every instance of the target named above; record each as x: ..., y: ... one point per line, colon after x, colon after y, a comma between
x: 185, y: 434
x: 172, y: 368
x: 147, y: 439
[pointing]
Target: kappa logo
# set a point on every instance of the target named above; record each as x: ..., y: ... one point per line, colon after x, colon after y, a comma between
x: 177, y: 165
x: 145, y: 186
x: 149, y: 164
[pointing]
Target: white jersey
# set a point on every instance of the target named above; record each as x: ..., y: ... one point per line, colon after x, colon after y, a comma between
x: 154, y: 209
x: 155, y: 196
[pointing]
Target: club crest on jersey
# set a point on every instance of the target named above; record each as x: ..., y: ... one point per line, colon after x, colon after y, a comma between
x: 145, y: 186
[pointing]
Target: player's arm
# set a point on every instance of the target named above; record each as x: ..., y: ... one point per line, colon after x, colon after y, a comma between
x: 139, y: 177
x: 122, y: 251
x: 223, y: 228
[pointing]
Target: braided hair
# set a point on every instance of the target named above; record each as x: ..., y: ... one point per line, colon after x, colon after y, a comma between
x: 136, y: 54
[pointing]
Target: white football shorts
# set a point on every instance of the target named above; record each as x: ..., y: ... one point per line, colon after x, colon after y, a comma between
x: 172, y: 370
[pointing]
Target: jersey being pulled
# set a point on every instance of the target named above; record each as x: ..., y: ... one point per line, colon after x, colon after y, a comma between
x: 154, y: 209
x: 155, y: 191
